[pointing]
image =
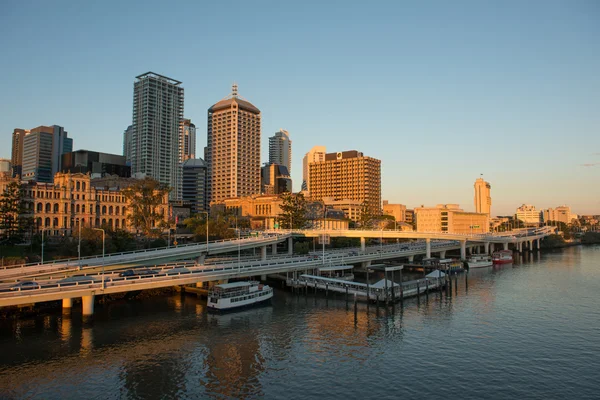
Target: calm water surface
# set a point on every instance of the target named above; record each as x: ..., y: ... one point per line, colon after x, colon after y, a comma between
x: 529, y: 330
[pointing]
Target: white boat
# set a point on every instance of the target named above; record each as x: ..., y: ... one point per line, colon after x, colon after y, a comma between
x: 479, y: 261
x: 238, y: 294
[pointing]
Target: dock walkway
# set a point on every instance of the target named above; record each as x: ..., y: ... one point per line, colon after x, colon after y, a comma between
x: 386, y: 292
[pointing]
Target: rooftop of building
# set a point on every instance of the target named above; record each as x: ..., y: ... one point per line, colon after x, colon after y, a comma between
x: 154, y: 75
x: 194, y: 162
x: 234, y: 98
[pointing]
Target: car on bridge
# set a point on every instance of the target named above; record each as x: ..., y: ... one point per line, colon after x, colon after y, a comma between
x: 138, y: 272
x: 25, y: 285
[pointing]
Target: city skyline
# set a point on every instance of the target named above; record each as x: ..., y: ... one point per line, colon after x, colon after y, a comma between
x: 435, y: 103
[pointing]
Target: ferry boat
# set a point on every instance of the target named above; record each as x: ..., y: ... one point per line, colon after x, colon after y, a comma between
x: 502, y: 257
x: 227, y: 296
x: 479, y: 261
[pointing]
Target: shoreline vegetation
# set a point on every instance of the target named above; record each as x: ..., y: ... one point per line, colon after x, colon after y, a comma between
x: 557, y: 241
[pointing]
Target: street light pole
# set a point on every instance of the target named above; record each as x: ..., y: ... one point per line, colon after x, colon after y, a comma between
x: 79, y: 246
x: 103, y: 240
x: 43, y: 245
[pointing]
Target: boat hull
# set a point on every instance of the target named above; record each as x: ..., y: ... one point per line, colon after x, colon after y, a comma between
x: 503, y: 261
x: 479, y: 264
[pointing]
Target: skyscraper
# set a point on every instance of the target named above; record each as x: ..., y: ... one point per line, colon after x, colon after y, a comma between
x: 17, y: 150
x: 194, y: 184
x: 275, y: 179
x: 483, y: 200
x: 347, y: 175
x: 42, y: 151
x: 157, y: 116
x: 316, y: 154
x: 187, y: 143
x: 127, y: 137
x: 233, y: 148
x: 280, y: 150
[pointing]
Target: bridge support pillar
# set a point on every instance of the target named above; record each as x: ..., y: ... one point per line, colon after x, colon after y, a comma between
x: 290, y: 246
x: 263, y: 253
x: 365, y: 264
x: 427, y: 248
x: 263, y: 277
x: 88, y: 304
x: 443, y: 254
x: 531, y: 245
x: 486, y: 247
x: 200, y: 259
x: 363, y: 244
x: 274, y: 248
x: 411, y: 258
x: 463, y: 249
x: 505, y: 244
x: 67, y: 304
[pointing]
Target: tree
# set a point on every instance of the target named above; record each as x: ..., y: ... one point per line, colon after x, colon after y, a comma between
x: 366, y: 218
x: 13, y: 219
x: 144, y: 198
x: 293, y: 211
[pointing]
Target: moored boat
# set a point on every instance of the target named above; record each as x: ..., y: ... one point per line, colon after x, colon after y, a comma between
x: 502, y: 257
x: 479, y: 261
x: 227, y: 296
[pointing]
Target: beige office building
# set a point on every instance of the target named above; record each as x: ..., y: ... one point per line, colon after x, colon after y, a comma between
x: 450, y: 218
x: 233, y: 149
x: 560, y: 214
x: 483, y: 199
x: 347, y: 175
x: 398, y: 211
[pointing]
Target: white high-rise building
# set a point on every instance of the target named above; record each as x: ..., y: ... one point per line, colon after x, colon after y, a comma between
x: 528, y: 215
x: 157, y: 116
x: 280, y: 149
x: 316, y: 154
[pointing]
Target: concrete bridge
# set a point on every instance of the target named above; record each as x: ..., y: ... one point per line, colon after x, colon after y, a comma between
x: 52, y: 290
x: 162, y: 255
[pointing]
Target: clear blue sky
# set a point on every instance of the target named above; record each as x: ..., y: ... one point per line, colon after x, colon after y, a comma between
x: 440, y: 91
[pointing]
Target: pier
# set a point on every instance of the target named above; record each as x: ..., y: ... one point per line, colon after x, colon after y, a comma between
x: 382, y: 291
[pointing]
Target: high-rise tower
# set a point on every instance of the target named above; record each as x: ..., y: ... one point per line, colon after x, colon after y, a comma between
x: 157, y: 116
x: 280, y: 149
x: 483, y: 200
x: 43, y: 148
x: 316, y: 154
x: 233, y: 148
x: 17, y: 150
x: 187, y: 143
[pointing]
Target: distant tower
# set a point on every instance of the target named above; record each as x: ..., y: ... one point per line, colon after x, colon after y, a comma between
x: 483, y: 200
x: 316, y: 154
x: 280, y: 149
x: 43, y: 148
x: 127, y: 136
x: 194, y: 184
x: 17, y: 150
x: 233, y: 148
x: 187, y: 142
x: 157, y: 116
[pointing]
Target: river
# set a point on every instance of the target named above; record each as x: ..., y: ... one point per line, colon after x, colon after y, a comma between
x: 529, y: 331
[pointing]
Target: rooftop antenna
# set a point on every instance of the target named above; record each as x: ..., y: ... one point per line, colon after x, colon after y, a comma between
x: 234, y: 90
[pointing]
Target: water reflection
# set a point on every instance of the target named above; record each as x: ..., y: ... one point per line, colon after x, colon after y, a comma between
x: 170, y: 347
